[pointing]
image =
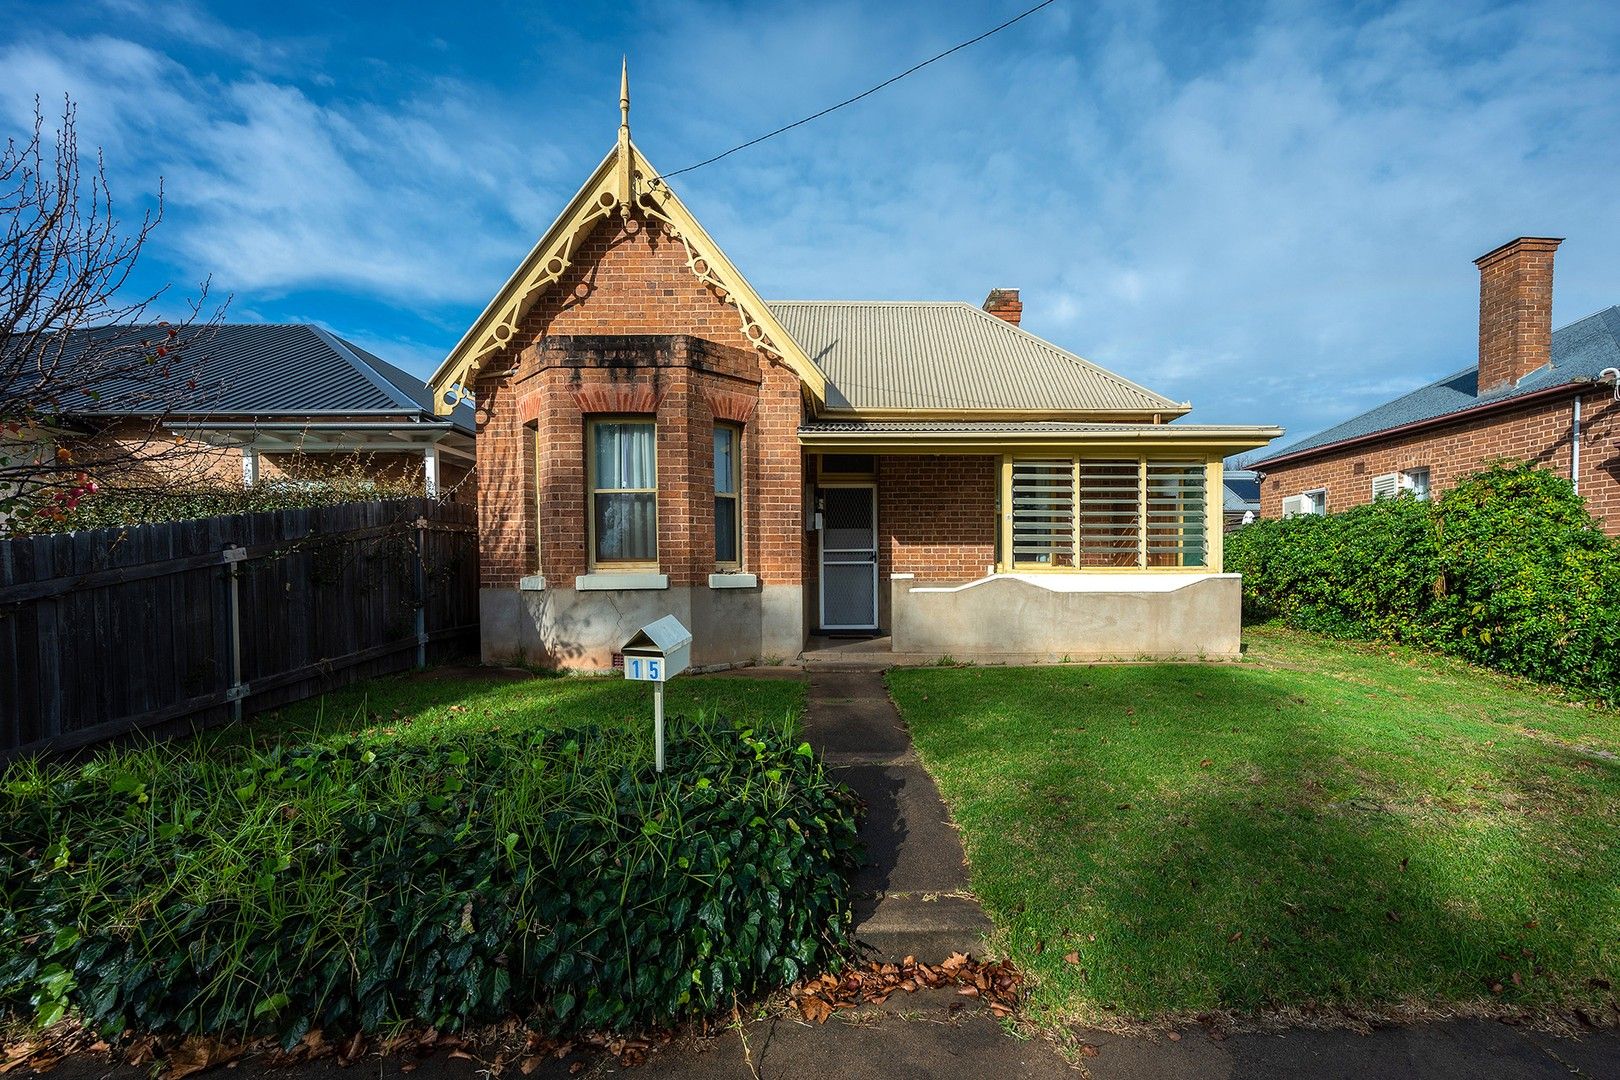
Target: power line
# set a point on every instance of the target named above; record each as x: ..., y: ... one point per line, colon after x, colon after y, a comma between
x: 864, y: 93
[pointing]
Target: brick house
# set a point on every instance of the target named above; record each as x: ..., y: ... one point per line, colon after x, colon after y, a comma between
x: 1535, y: 394
x: 654, y: 439
x: 252, y: 402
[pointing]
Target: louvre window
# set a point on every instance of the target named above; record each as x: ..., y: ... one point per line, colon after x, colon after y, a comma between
x: 1110, y: 513
x: 1043, y: 512
x: 1176, y: 514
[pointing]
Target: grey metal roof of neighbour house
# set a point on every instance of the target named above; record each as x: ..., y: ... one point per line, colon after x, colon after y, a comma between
x: 1240, y: 491
x: 1580, y: 351
x: 254, y: 369
x: 949, y: 356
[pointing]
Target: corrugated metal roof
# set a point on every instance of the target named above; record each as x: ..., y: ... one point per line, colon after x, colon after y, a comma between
x: 1037, y: 427
x: 951, y: 355
x: 1580, y: 351
x: 255, y: 369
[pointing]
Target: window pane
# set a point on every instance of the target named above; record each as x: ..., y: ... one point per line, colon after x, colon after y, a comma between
x: 1043, y: 512
x: 725, y: 460
x: 1176, y: 521
x: 725, y: 529
x: 624, y: 456
x: 1111, y: 513
x: 627, y: 527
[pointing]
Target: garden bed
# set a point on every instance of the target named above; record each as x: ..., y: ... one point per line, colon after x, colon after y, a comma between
x: 430, y: 860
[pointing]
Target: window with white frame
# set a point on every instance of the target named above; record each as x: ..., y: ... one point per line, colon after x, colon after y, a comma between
x: 1306, y: 503
x: 727, y: 496
x: 1108, y: 513
x: 1413, y: 481
x: 624, y: 493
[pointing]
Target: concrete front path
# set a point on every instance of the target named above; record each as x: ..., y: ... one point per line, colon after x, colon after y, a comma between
x: 912, y: 895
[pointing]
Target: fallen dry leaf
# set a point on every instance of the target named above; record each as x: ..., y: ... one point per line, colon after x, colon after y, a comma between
x: 1071, y: 958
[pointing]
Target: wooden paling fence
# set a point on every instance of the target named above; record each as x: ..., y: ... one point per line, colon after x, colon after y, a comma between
x: 159, y: 628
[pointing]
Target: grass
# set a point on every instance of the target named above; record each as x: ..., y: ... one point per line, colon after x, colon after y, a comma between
x: 417, y: 707
x: 1324, y: 826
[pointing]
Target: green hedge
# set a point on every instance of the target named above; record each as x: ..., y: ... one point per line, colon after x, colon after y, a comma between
x: 348, y: 886
x: 1507, y: 570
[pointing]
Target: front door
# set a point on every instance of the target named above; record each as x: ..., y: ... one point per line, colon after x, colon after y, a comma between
x: 849, y: 574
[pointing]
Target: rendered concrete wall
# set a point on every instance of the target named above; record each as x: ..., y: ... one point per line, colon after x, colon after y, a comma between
x: 1198, y: 619
x: 579, y: 631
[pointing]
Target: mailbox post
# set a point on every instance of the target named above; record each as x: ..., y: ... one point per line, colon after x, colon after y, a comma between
x: 654, y: 654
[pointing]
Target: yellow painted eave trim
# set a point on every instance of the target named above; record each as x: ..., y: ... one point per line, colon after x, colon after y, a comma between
x: 600, y: 197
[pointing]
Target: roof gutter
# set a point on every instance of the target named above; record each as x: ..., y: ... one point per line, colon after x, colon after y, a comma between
x: 926, y: 442
x: 436, y: 425
x: 1506, y: 404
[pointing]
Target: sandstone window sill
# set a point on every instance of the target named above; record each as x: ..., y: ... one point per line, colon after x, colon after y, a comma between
x: 733, y: 581
x: 532, y: 583
x: 620, y: 581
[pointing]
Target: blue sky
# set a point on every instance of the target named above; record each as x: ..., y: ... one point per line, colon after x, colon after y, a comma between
x: 1268, y: 209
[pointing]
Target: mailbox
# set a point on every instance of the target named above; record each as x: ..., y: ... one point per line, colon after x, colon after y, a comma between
x: 658, y: 651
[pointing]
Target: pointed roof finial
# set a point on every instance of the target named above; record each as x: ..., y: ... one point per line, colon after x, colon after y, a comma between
x: 624, y: 94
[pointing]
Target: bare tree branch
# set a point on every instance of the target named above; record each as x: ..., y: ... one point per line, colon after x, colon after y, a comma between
x: 76, y: 351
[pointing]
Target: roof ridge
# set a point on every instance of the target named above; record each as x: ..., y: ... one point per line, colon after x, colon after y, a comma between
x: 877, y: 303
x: 371, y: 374
x: 1074, y: 357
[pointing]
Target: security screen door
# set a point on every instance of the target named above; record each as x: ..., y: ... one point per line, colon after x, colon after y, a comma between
x: 849, y: 558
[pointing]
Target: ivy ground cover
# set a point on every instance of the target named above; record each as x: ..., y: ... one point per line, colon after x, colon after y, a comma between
x: 433, y: 851
x: 1326, y: 826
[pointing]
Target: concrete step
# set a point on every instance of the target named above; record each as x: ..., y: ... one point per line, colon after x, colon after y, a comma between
x: 928, y: 927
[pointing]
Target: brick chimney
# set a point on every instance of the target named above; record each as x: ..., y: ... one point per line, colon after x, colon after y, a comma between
x: 1004, y: 304
x: 1515, y: 310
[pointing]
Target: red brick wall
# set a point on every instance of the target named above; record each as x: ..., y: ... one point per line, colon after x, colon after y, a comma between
x: 1515, y: 310
x: 1600, y: 457
x: 937, y: 516
x: 598, y: 343
x: 1538, y: 433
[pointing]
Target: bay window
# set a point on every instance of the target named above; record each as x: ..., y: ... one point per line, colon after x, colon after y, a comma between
x: 623, y: 461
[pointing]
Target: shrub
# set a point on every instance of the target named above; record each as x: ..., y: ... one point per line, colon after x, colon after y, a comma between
x: 347, y: 886
x: 1366, y: 572
x: 1506, y: 570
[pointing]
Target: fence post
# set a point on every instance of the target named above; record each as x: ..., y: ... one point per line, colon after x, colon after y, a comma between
x: 238, y: 690
x: 421, y: 593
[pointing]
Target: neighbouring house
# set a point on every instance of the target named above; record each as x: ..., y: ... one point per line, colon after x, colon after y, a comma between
x: 251, y: 402
x: 1240, y: 497
x: 1536, y: 394
x: 655, y: 439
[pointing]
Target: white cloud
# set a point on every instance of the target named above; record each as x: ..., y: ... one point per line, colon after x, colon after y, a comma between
x: 270, y: 190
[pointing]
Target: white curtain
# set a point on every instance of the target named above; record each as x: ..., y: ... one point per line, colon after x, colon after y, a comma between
x: 626, y: 520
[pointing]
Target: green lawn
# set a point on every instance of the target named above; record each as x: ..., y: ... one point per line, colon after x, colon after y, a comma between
x: 421, y: 706
x: 1324, y: 824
